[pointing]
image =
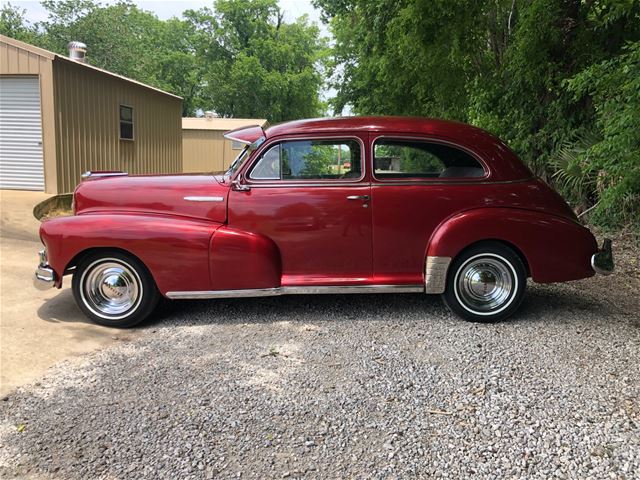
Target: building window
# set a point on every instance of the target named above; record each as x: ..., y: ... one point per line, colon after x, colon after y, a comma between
x: 126, y: 122
x: 237, y: 145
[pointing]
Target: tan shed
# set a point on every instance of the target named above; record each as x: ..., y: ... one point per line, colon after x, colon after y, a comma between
x: 204, y: 148
x: 61, y: 117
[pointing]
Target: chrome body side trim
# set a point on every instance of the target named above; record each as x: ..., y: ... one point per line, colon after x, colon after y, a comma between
x: 435, y: 274
x: 91, y: 174
x: 310, y: 184
x: 196, y: 198
x: 274, y: 292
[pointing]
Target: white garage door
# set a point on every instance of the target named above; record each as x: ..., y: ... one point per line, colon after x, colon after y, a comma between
x: 21, y: 165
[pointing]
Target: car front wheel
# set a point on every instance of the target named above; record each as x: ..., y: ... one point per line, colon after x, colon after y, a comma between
x: 486, y: 283
x: 114, y: 289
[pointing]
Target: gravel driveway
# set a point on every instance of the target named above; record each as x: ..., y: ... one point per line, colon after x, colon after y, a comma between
x: 345, y: 387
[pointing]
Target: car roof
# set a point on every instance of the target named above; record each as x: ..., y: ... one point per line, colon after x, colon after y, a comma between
x: 373, y: 124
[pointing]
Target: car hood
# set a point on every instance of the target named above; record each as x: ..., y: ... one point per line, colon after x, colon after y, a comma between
x: 202, y: 196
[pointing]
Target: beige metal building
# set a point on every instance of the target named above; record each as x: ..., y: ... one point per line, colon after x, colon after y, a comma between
x: 60, y: 117
x: 204, y: 148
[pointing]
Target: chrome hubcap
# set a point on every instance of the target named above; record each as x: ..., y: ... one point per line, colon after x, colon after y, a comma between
x: 485, y: 284
x: 111, y: 289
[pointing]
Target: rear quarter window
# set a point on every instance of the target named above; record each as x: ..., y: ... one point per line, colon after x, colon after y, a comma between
x: 422, y: 159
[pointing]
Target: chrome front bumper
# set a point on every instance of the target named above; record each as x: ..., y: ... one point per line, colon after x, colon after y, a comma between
x: 44, y: 276
x: 602, y: 261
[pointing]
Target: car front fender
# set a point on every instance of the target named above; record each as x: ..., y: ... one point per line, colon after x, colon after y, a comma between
x: 174, y: 249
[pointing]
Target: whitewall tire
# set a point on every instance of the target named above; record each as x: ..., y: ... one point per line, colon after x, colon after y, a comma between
x: 114, y: 289
x: 486, y: 283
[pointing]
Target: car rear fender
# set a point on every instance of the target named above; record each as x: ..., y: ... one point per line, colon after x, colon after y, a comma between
x: 555, y: 248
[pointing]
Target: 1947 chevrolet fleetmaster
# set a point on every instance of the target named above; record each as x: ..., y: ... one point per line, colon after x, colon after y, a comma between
x: 341, y: 205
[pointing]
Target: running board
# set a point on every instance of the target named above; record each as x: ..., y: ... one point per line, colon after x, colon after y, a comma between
x: 274, y: 292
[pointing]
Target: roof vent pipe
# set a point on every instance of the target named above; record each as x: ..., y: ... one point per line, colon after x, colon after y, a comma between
x: 77, y: 51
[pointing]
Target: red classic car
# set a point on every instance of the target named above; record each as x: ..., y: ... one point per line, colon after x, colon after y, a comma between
x: 338, y: 205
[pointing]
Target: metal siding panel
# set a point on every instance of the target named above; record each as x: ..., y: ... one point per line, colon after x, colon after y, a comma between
x: 21, y: 162
x: 95, y: 99
x: 4, y: 58
x: 202, y: 150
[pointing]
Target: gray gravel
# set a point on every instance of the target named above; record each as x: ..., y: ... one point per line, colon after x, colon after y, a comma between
x: 342, y: 387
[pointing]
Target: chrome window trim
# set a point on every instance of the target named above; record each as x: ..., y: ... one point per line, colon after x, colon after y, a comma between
x: 277, y: 291
x: 255, y: 145
x: 453, y: 181
x: 427, y: 139
x: 246, y: 169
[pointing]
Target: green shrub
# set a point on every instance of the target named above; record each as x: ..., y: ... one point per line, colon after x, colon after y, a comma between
x: 614, y: 88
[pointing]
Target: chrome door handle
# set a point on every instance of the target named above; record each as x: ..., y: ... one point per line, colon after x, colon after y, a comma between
x: 364, y: 198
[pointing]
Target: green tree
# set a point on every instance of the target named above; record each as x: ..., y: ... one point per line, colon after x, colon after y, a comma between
x: 240, y: 59
x: 614, y: 87
x: 12, y: 24
x: 257, y: 65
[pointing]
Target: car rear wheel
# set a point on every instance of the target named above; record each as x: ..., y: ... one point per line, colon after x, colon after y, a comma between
x: 486, y: 283
x: 114, y: 289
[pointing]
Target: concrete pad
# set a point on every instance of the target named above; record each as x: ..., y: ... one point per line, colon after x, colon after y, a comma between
x: 37, y: 328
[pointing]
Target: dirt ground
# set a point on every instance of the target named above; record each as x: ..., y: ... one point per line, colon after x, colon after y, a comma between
x: 37, y: 328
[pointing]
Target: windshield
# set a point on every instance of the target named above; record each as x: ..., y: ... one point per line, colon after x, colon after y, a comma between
x: 237, y: 163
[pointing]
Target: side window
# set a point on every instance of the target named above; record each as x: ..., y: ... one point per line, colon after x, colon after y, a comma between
x: 310, y: 160
x: 421, y: 159
x: 268, y: 167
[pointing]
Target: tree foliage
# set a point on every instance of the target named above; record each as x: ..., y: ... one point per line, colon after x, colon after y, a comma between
x: 557, y: 79
x: 256, y: 62
x: 614, y: 87
x: 240, y: 59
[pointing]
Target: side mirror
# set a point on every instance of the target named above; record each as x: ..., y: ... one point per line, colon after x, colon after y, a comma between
x: 238, y: 186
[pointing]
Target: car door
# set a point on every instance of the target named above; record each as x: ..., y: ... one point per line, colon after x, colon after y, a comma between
x: 417, y: 183
x: 311, y: 196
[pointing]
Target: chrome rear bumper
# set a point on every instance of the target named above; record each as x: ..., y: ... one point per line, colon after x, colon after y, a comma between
x: 44, y: 276
x: 602, y: 261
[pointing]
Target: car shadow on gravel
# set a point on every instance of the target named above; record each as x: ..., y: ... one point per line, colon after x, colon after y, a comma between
x: 316, y: 308
x: 540, y: 302
x: 556, y: 298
